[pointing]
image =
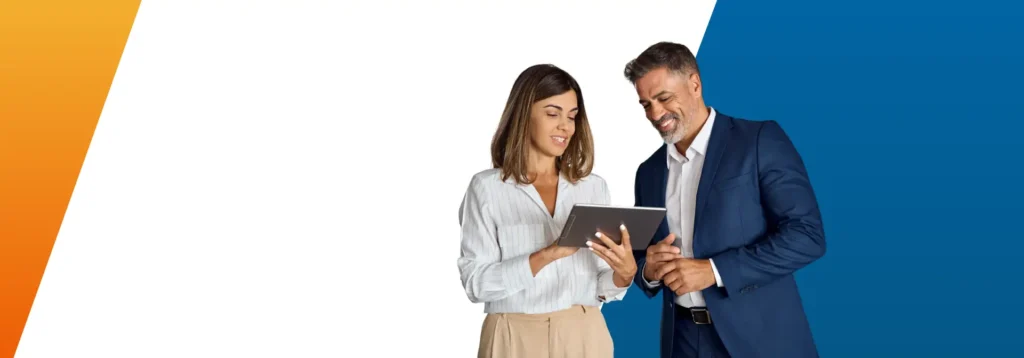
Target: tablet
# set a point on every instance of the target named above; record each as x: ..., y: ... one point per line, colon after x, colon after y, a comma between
x: 585, y: 220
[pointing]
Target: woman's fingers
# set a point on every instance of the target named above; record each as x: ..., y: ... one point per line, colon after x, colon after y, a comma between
x: 603, y: 253
x: 625, y: 238
x: 608, y: 243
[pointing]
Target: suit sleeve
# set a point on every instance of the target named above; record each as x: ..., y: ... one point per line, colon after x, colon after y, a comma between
x: 485, y: 276
x: 640, y: 253
x: 795, y: 236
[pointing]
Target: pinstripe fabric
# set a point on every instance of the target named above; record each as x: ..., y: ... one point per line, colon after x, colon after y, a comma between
x: 503, y: 223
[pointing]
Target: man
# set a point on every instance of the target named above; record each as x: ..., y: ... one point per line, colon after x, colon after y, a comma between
x: 742, y: 218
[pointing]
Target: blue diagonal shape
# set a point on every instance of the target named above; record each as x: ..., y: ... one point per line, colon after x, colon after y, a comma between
x: 909, y: 116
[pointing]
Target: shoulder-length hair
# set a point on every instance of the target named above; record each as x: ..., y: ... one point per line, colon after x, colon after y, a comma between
x: 511, y: 141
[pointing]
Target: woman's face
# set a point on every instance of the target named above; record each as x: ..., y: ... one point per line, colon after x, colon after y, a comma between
x: 552, y: 123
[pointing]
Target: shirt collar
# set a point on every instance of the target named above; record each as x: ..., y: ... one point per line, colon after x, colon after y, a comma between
x: 700, y: 142
x: 562, y: 181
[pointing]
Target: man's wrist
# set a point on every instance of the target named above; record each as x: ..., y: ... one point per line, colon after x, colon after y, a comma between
x: 644, y: 273
x: 714, y: 271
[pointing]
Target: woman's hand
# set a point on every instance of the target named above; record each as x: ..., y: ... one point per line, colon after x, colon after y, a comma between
x: 556, y: 252
x: 548, y: 255
x: 619, y: 257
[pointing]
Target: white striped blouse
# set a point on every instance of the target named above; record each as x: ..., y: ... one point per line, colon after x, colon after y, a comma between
x: 503, y: 223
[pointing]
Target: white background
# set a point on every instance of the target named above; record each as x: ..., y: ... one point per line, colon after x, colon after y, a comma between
x: 282, y: 179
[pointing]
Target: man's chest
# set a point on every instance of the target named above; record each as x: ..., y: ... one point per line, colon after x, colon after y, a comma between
x: 682, y: 183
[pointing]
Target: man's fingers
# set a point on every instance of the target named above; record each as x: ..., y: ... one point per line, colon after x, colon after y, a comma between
x: 683, y: 288
x: 659, y: 248
x: 668, y: 239
x: 662, y: 257
x: 677, y: 287
x: 665, y: 269
x: 652, y: 269
x: 671, y: 279
x: 675, y: 282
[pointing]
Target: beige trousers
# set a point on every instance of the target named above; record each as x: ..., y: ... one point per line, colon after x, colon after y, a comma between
x: 576, y: 332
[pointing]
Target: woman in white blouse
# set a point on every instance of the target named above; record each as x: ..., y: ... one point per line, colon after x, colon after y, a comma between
x: 541, y: 300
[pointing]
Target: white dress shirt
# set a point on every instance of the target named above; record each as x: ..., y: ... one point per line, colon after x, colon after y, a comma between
x: 681, y: 201
x: 503, y: 223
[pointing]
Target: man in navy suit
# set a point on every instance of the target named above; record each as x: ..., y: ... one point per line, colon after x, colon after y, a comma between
x: 742, y: 218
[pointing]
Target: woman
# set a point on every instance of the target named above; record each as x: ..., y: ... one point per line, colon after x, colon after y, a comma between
x: 542, y: 300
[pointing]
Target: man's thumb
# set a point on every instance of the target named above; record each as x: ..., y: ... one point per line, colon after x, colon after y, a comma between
x: 669, y: 239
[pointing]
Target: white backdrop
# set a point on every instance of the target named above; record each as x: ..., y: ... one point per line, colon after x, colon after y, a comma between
x: 282, y: 179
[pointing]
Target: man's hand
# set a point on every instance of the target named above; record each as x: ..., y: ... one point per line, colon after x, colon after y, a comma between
x: 684, y: 275
x: 659, y: 254
x: 619, y: 257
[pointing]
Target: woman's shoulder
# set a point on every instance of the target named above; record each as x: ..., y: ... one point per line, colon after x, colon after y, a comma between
x: 485, y: 178
x: 593, y: 179
x: 487, y: 175
x: 493, y: 176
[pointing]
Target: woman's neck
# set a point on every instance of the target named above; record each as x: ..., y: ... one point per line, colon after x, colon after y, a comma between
x: 540, y: 166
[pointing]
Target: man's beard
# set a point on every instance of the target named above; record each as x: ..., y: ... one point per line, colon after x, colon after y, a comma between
x: 678, y: 130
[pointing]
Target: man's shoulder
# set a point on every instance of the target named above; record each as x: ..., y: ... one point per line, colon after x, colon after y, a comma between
x: 742, y: 126
x: 756, y: 136
x: 655, y: 159
x: 749, y: 127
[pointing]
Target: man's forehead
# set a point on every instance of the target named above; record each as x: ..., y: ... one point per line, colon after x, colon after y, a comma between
x: 653, y: 83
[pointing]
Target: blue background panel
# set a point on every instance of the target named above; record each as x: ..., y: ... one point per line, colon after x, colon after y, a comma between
x: 908, y: 116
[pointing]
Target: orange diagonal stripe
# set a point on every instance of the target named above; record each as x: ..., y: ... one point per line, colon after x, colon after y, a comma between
x: 57, y: 60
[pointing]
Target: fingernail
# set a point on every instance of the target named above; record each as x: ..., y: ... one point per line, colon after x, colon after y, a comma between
x: 597, y: 234
x: 589, y: 243
x: 622, y: 227
x: 591, y: 248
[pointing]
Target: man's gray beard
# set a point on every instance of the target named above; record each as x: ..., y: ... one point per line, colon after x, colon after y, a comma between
x: 682, y: 124
x: 677, y: 134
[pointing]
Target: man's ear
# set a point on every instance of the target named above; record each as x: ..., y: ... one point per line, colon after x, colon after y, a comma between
x: 696, y: 88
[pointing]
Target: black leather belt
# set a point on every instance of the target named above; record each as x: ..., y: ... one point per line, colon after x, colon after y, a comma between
x: 698, y: 315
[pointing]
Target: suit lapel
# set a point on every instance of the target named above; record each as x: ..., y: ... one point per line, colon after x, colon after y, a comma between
x: 661, y: 175
x: 717, y: 144
x: 655, y: 194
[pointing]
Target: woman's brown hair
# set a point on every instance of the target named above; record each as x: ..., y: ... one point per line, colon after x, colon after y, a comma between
x: 511, y: 141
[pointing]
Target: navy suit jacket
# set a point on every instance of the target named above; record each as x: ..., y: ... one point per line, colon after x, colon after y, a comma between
x: 758, y: 219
